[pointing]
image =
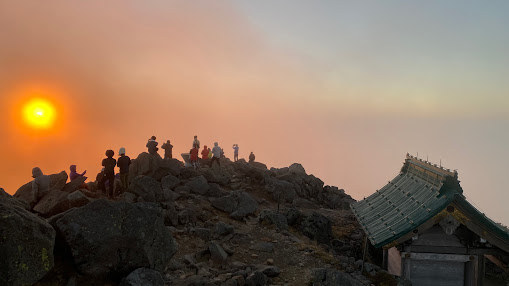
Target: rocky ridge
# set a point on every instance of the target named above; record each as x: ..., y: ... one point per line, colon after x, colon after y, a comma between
x: 238, y: 224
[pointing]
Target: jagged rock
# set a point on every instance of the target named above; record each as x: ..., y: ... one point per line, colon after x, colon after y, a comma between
x: 332, y: 277
x: 92, y: 187
x: 303, y: 203
x: 169, y: 195
x: 203, y: 233
x: 52, y: 203
x: 90, y: 193
x: 257, y: 278
x: 227, y: 204
x: 281, y: 190
x: 216, y: 191
x: 147, y: 188
x: 293, y: 216
x: 169, y: 182
x: 171, y: 216
x: 143, y: 277
x: 123, y: 237
x: 77, y: 199
x: 246, y: 205
x: 270, y: 217
x: 198, y: 185
x: 223, y: 228
x: 153, y: 166
x: 263, y: 246
x: 256, y: 170
x: 74, y: 185
x: 217, y: 253
x: 335, y: 198
x: 26, y: 245
x: 297, y: 168
x: 187, y: 216
x: 13, y: 201
x: 217, y: 175
x: 317, y: 226
x: 271, y: 271
x: 57, y: 182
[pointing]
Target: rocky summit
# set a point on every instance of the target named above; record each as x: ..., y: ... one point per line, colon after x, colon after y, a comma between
x: 235, y: 224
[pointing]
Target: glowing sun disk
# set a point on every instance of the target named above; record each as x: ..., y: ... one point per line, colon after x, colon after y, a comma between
x: 39, y: 113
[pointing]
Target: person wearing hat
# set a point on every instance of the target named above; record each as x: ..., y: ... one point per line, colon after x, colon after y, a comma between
x: 109, y: 171
x: 152, y: 145
x: 123, y: 164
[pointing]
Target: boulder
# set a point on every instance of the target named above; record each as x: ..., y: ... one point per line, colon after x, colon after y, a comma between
x: 128, y: 197
x: 74, y: 185
x: 147, y: 188
x: 257, y: 278
x: 271, y: 271
x: 270, y: 217
x: 201, y: 232
x: 143, y: 277
x: 216, y: 191
x: 57, y: 182
x: 246, y: 205
x: 26, y: 246
x: 332, y: 277
x: 169, y: 182
x: 217, y: 253
x: 13, y: 201
x: 52, y: 203
x: 114, y: 238
x: 198, y: 185
x: 227, y: 203
x: 297, y: 168
x: 153, y: 166
x: 77, y: 199
x: 223, y: 229
x: 317, y: 226
x: 281, y: 190
x: 217, y: 175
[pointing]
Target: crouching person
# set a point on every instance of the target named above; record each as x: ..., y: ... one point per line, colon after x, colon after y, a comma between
x: 40, y: 185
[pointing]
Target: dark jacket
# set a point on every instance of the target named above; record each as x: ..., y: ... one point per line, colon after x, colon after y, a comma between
x: 251, y: 157
x: 123, y: 163
x: 167, y: 148
x: 109, y: 166
x: 152, y: 146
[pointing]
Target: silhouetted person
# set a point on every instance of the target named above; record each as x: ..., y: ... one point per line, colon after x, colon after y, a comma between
x: 73, y: 175
x: 210, y: 153
x: 152, y: 146
x: 205, y: 153
x: 216, y: 154
x: 168, y: 149
x: 251, y: 157
x: 109, y: 171
x: 194, y: 157
x: 235, y: 152
x: 40, y: 185
x: 100, y: 180
x: 196, y: 142
x: 123, y: 164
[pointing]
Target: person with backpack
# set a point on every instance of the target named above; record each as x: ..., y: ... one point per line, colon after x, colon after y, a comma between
x: 123, y: 164
x: 109, y: 171
x: 168, y: 149
x: 152, y: 146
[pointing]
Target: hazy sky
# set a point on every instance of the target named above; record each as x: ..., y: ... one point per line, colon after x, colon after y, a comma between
x: 346, y: 88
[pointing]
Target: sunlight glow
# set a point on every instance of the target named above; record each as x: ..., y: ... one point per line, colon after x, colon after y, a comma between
x: 39, y: 113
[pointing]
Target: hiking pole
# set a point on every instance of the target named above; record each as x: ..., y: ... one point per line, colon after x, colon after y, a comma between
x: 364, y: 252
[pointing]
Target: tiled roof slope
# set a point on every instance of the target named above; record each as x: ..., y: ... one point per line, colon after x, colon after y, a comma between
x: 420, y: 192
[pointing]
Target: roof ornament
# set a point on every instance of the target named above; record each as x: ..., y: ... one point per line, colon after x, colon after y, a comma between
x: 449, y: 224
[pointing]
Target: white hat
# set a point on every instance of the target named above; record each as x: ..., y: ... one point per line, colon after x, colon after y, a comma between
x: 121, y: 151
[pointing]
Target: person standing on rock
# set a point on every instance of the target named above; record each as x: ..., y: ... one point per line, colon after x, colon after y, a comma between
x: 109, y: 171
x: 123, y: 164
x: 152, y: 145
x: 205, y: 153
x: 40, y: 185
x: 168, y: 149
x: 196, y: 142
x: 194, y: 157
x: 251, y: 157
x: 235, y: 152
x: 209, y: 154
x: 216, y: 154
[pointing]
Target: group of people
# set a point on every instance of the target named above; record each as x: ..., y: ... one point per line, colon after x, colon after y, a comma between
x: 106, y: 178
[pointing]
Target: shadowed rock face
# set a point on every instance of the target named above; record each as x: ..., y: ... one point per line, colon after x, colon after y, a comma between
x: 26, y: 245
x: 114, y: 238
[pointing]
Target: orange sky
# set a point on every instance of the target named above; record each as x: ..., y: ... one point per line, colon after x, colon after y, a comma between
x: 120, y: 72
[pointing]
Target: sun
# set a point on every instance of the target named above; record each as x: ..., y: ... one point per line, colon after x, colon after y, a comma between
x: 39, y: 113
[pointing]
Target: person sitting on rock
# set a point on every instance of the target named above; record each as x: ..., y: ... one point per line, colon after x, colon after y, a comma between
x: 205, y: 153
x: 216, y: 154
x: 152, y: 145
x: 73, y: 175
x: 209, y: 154
x: 194, y: 157
x: 109, y: 171
x: 196, y: 142
x: 40, y: 185
x: 168, y: 149
x: 251, y: 157
x: 235, y: 152
x: 100, y: 181
x: 123, y: 164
